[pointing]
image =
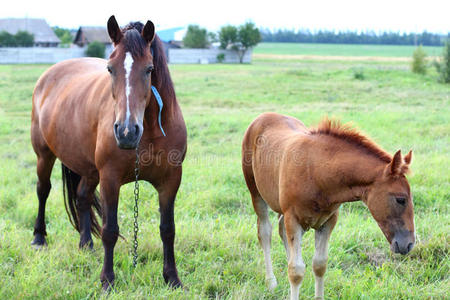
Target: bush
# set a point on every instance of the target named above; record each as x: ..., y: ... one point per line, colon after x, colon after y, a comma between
x: 228, y: 35
x: 443, y: 67
x: 96, y: 49
x: 419, y: 64
x: 64, y: 36
x: 239, y: 39
x: 358, y: 73
x: 196, y: 37
x: 220, y: 57
x: 20, y: 39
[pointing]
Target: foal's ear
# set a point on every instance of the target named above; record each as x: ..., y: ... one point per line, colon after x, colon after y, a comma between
x: 408, y: 158
x: 114, y: 30
x: 148, y: 33
x: 394, y: 166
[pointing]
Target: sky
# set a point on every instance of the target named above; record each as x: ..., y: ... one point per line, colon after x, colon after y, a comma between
x: 380, y: 15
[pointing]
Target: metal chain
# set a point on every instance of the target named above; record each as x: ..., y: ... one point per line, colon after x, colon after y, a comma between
x: 136, y: 212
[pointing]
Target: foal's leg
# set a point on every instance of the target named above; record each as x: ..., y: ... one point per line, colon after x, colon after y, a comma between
x: 167, y: 191
x: 296, y: 266
x: 85, y: 194
x: 45, y: 163
x: 109, y: 194
x: 282, y: 232
x: 265, y: 236
x: 322, y: 235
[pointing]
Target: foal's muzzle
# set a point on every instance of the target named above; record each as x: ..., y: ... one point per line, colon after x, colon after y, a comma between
x: 127, y: 137
x: 403, y: 242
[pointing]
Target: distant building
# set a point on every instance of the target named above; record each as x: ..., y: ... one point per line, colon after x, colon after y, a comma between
x: 42, y: 32
x: 86, y: 35
x: 172, y: 38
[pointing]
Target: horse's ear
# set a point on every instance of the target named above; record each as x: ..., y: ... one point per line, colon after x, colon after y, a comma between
x: 114, y: 30
x: 408, y: 158
x: 394, y: 167
x: 148, y: 33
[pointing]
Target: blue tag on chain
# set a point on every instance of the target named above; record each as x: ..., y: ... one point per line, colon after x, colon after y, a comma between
x: 160, y: 104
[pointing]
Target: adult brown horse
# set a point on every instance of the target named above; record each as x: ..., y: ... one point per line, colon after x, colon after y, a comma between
x: 93, y: 120
x: 306, y: 174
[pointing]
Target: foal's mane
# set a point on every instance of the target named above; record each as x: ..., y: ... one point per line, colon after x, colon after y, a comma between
x: 349, y: 134
x: 135, y: 44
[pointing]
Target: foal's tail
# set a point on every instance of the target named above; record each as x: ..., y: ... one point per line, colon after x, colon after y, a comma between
x: 70, y: 184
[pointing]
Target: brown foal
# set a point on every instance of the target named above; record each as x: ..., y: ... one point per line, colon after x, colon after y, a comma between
x: 92, y: 114
x: 306, y: 174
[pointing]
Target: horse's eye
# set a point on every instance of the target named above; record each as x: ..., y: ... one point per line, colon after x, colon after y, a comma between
x: 109, y: 69
x: 400, y: 200
x: 148, y: 70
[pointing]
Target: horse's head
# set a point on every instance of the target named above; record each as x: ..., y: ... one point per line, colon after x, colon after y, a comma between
x: 130, y: 66
x: 389, y: 200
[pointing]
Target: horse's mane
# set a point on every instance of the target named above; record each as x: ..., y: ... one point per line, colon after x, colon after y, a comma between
x: 352, y: 136
x: 135, y: 44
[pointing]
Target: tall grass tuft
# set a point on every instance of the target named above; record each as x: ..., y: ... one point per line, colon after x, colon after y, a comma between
x: 419, y: 63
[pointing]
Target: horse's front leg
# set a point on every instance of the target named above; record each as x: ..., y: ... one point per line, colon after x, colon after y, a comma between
x: 109, y: 194
x: 167, y: 191
x: 322, y: 236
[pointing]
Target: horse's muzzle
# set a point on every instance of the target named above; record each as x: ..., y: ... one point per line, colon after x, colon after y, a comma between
x: 127, y: 137
x: 403, y: 242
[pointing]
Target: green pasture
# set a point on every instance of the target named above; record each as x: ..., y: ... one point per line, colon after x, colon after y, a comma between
x: 216, y: 248
x: 342, y: 50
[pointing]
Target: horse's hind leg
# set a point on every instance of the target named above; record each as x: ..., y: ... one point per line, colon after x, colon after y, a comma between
x: 85, y: 199
x: 282, y: 232
x: 265, y: 236
x: 45, y: 162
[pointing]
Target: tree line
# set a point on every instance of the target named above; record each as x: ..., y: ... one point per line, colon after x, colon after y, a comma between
x: 20, y: 39
x: 352, y: 37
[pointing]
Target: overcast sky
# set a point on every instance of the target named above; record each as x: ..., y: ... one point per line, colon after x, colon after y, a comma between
x: 379, y: 15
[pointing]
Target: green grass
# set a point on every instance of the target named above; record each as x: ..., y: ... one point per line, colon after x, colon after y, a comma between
x: 217, y: 250
x: 342, y: 50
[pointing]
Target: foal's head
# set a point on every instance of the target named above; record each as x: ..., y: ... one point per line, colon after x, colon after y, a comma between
x: 389, y: 200
x: 130, y: 66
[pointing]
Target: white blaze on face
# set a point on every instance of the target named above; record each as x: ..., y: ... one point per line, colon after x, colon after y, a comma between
x: 127, y: 65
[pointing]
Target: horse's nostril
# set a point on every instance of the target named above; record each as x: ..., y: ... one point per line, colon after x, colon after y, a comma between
x: 116, y: 126
x: 136, y: 129
x: 396, y: 248
x: 410, y: 246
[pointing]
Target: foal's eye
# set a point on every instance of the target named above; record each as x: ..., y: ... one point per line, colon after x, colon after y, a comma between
x: 400, y: 200
x: 109, y: 69
x: 148, y: 70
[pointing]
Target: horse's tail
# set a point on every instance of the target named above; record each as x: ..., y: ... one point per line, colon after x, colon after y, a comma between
x: 71, y: 181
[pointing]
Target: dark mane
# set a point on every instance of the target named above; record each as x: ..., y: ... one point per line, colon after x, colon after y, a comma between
x: 352, y: 136
x: 135, y: 44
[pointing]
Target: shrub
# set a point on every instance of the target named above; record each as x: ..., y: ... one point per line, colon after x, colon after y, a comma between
x: 64, y: 35
x: 220, y: 57
x: 196, y: 37
x: 419, y: 64
x: 443, y: 67
x: 96, y: 49
x: 358, y: 73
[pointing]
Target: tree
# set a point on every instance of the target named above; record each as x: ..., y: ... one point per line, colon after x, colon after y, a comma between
x: 239, y: 39
x: 443, y: 67
x: 196, y: 37
x: 63, y: 34
x: 419, y: 64
x: 96, y: 49
x: 7, y: 39
x: 227, y: 36
x: 24, y: 39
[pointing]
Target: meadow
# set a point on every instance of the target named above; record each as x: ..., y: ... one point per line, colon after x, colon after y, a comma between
x: 216, y: 247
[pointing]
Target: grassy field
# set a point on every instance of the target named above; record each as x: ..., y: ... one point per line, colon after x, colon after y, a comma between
x: 217, y: 249
x: 342, y: 50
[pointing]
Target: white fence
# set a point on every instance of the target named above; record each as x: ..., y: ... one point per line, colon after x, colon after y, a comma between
x: 51, y: 55
x: 206, y: 56
x: 42, y: 55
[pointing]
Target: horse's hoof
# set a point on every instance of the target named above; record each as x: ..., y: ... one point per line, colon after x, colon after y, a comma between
x: 107, y: 287
x: 86, y: 245
x: 173, y: 281
x: 39, y: 242
x: 272, y: 284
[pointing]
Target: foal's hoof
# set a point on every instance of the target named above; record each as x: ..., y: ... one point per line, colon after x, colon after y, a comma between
x: 107, y: 287
x: 39, y: 242
x: 272, y: 283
